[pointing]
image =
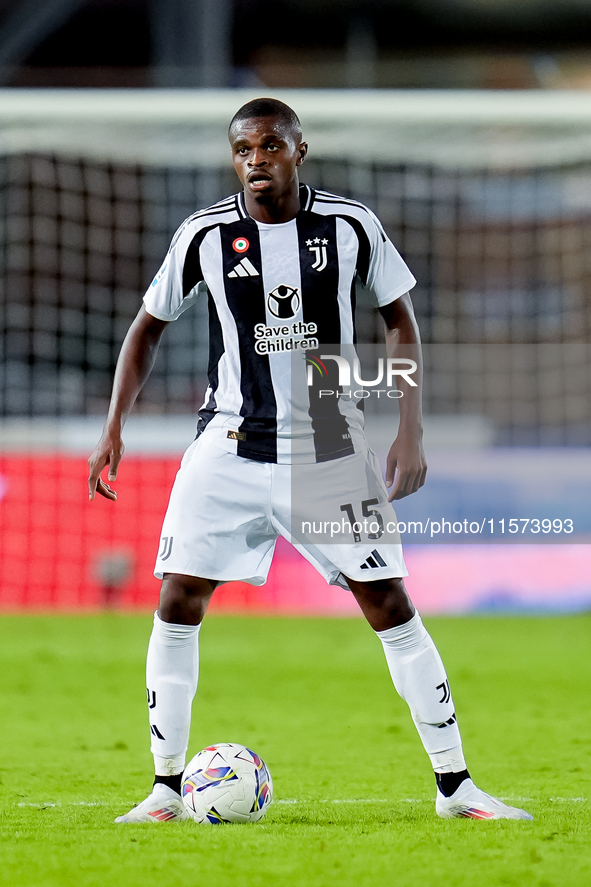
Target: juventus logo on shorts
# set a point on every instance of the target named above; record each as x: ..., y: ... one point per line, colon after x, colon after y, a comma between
x: 166, y: 548
x: 318, y: 247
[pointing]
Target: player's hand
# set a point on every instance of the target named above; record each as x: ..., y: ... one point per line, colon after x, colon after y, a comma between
x: 407, y: 464
x: 108, y: 451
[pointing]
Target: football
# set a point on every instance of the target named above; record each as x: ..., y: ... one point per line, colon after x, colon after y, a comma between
x: 226, y: 782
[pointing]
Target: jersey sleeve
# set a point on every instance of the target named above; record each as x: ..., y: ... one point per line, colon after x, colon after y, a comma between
x: 168, y: 296
x: 388, y: 275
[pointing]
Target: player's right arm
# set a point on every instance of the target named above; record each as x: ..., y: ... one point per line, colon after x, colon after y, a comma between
x: 134, y: 365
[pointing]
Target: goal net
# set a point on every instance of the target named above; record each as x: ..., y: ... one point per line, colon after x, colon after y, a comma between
x: 487, y: 196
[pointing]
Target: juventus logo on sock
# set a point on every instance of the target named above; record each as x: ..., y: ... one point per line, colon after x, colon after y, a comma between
x: 151, y: 698
x: 244, y: 268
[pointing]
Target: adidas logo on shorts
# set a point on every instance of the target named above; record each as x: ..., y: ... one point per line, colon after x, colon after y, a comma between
x: 244, y: 268
x: 374, y: 561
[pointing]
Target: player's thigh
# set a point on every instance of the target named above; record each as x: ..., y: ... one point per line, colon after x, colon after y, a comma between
x: 218, y: 522
x: 341, y: 521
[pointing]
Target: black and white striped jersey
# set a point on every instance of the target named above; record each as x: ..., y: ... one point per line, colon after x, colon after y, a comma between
x: 276, y: 294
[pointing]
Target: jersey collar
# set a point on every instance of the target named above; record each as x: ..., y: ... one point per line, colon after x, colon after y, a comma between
x: 306, y: 199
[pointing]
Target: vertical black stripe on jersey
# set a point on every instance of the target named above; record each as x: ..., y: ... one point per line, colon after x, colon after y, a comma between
x: 320, y: 289
x: 192, y: 272
x: 364, y: 250
x: 216, y: 350
x: 320, y: 305
x: 192, y: 275
x: 246, y: 300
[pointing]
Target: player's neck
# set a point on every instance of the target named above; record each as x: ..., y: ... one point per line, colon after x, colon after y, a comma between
x: 274, y: 211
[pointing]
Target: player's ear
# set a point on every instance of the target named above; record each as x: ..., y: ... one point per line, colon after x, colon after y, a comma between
x: 302, y: 151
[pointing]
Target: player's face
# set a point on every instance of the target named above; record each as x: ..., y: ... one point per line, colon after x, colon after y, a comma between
x: 266, y: 155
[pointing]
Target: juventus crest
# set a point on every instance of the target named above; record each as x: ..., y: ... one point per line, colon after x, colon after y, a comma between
x: 318, y: 247
x: 166, y: 550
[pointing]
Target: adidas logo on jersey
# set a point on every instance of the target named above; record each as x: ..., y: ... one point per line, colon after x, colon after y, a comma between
x: 244, y: 268
x: 374, y: 561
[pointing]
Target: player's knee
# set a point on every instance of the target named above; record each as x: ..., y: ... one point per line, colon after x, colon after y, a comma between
x: 380, y: 592
x: 384, y: 603
x: 392, y: 595
x: 184, y: 599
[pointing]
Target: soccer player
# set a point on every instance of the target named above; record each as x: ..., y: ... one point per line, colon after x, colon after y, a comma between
x: 278, y: 263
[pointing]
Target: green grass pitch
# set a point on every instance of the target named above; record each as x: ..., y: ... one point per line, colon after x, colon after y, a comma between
x: 353, y: 788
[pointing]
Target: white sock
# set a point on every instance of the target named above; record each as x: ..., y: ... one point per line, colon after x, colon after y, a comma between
x: 172, y: 670
x: 419, y: 677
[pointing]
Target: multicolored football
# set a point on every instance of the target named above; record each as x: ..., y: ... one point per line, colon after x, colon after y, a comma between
x: 227, y: 782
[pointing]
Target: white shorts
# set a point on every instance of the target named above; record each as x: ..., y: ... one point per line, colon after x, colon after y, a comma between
x: 226, y: 512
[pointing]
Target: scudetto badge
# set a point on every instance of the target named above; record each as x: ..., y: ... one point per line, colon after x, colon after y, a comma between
x: 240, y: 245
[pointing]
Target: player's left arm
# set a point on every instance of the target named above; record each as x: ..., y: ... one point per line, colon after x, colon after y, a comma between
x: 406, y: 460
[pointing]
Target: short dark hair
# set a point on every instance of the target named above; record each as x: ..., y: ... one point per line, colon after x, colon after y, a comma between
x: 268, y: 108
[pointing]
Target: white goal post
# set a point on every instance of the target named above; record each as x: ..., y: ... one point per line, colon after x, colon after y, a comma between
x: 486, y: 194
x: 440, y: 127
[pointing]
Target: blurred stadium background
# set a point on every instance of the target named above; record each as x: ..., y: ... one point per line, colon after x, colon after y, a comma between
x: 486, y: 192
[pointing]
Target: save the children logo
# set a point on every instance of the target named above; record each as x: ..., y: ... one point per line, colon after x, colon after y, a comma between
x: 284, y: 301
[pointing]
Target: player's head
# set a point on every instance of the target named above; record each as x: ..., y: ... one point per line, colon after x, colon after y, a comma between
x: 268, y: 108
x: 266, y: 140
